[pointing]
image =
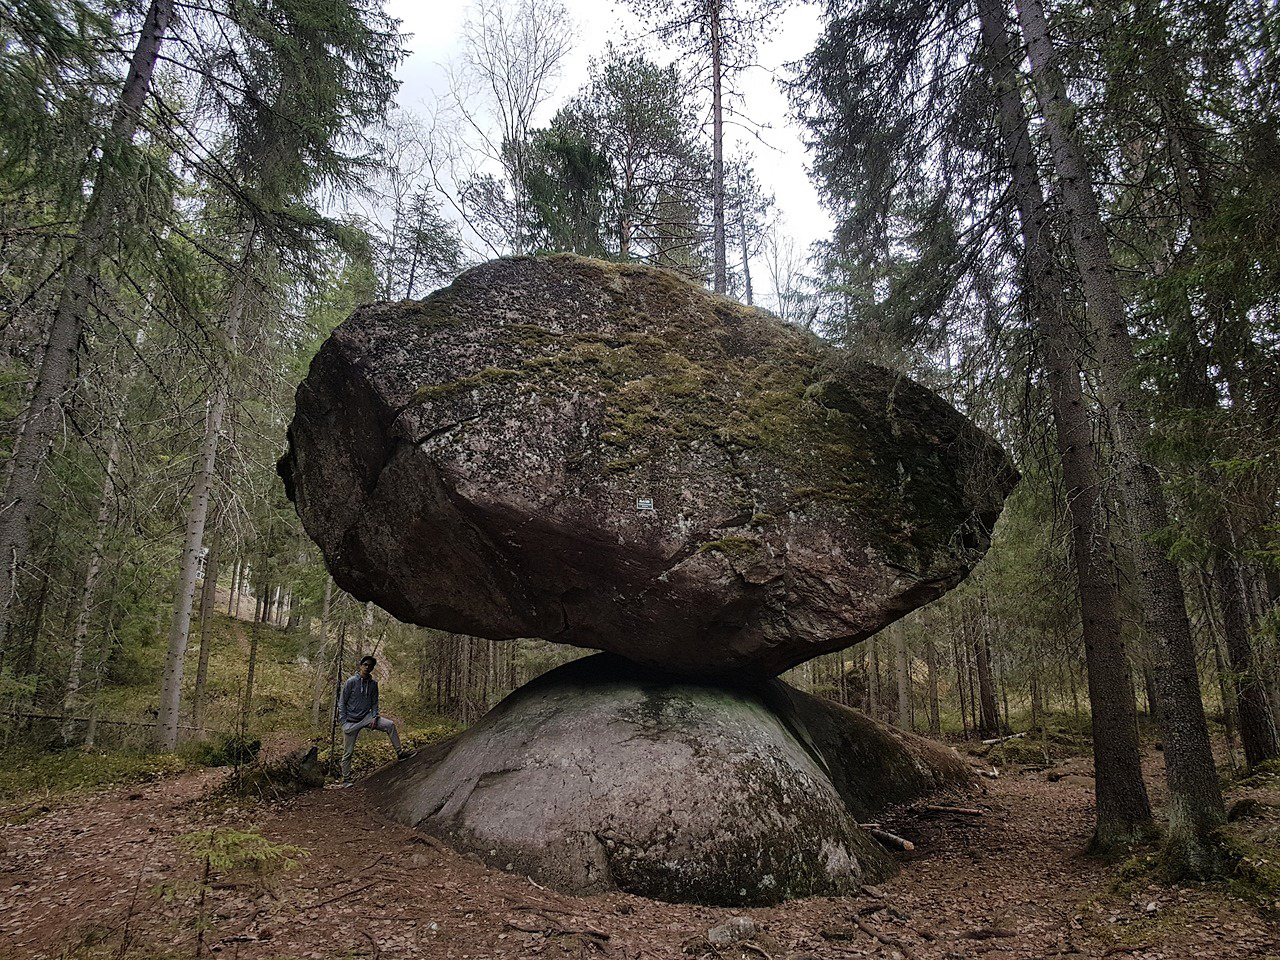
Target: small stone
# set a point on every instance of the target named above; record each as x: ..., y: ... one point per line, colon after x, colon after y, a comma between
x: 735, y: 930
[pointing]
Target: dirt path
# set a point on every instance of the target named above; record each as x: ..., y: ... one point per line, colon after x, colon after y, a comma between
x: 91, y: 880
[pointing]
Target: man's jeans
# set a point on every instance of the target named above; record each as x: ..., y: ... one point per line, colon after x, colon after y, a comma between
x: 352, y: 730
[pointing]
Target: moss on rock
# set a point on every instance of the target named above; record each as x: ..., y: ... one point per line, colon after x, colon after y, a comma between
x: 605, y: 455
x: 603, y: 775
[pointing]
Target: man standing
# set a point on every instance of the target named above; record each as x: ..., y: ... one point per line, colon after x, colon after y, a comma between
x: 358, y: 709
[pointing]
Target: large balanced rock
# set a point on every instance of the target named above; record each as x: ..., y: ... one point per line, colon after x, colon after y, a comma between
x: 608, y: 456
x: 600, y: 775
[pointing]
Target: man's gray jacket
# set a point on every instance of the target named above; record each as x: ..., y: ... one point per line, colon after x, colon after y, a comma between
x: 359, y: 700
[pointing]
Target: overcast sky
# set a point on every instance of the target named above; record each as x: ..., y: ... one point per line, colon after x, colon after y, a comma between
x: 436, y: 27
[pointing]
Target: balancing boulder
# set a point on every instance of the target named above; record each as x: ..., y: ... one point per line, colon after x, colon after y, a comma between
x: 608, y: 456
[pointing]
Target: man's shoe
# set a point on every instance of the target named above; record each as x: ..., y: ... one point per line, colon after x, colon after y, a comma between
x: 405, y: 754
x: 341, y: 785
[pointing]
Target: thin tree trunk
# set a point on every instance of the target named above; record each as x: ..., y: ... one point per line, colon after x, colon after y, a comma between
x: 900, y: 665
x: 1195, y: 807
x: 989, y: 713
x: 931, y: 665
x: 246, y: 709
x: 742, y: 235
x: 57, y: 369
x: 1037, y: 705
x: 1228, y: 714
x: 207, y: 593
x: 964, y: 715
x: 71, y: 695
x: 717, y: 154
x: 873, y: 685
x: 321, y: 664
x: 986, y: 719
x: 1123, y: 808
x: 1149, y: 685
x: 233, y: 594
x: 171, y: 685
x: 1075, y: 703
x: 1253, y: 707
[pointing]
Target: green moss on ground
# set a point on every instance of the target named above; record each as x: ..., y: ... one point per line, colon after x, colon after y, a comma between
x: 40, y: 780
x: 1265, y: 774
x: 373, y: 749
x: 1248, y: 870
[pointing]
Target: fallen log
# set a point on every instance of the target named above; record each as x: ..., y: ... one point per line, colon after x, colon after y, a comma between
x: 940, y: 808
x: 888, y: 839
x: 1012, y: 736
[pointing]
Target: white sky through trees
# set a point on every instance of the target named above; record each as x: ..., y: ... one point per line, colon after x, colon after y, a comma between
x: 436, y: 28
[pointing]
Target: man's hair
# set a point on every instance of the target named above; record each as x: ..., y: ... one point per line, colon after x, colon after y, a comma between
x: 369, y: 660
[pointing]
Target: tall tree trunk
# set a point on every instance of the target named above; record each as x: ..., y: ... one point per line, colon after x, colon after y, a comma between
x: 718, y: 253
x: 986, y: 719
x: 931, y: 665
x: 988, y: 712
x: 902, y: 674
x: 1195, y: 806
x: 80, y: 275
x: 873, y: 685
x: 246, y: 708
x: 207, y: 593
x: 742, y: 235
x: 322, y: 645
x: 964, y: 714
x: 1123, y: 808
x: 171, y: 686
x: 1253, y: 707
x: 233, y: 594
x: 1194, y: 181
x: 71, y: 694
x: 1228, y: 713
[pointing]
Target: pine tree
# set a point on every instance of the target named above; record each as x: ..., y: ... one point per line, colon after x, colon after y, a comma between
x: 725, y: 33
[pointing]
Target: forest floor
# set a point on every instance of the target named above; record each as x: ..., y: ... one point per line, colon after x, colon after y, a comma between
x: 108, y: 876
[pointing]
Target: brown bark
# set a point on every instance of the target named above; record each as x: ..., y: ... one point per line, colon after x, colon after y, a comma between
x: 1253, y: 706
x: 1123, y: 808
x: 901, y: 675
x: 742, y: 235
x: 1195, y: 806
x: 931, y: 665
x: 964, y: 715
x: 320, y: 649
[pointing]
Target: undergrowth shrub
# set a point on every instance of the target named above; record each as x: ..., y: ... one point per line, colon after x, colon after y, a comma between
x: 232, y: 750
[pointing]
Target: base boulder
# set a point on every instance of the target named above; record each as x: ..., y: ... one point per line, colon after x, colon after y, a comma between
x: 602, y: 775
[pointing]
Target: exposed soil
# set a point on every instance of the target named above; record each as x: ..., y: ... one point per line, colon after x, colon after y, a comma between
x: 107, y: 877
